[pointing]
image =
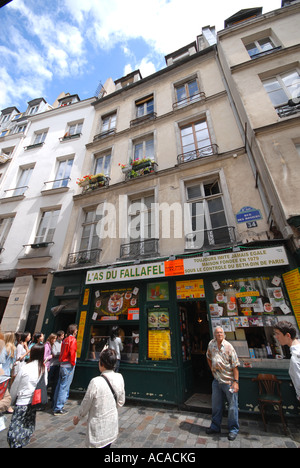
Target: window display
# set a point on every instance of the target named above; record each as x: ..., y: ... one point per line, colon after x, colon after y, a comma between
x: 114, y: 304
x: 248, y: 309
x: 129, y: 335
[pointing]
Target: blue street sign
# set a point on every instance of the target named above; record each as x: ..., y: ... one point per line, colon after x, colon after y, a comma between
x: 247, y: 213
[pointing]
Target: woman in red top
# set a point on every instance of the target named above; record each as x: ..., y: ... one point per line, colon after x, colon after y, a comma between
x: 67, y: 361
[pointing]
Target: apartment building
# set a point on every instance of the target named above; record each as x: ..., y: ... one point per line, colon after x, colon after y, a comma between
x: 45, y: 147
x: 170, y: 233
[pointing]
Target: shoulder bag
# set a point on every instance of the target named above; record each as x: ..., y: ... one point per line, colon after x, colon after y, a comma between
x: 40, y: 396
x: 110, y: 386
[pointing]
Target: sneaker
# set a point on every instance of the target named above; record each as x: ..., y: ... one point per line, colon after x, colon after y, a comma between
x: 232, y: 436
x: 60, y: 412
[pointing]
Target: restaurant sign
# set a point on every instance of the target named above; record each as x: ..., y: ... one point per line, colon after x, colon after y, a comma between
x: 244, y: 259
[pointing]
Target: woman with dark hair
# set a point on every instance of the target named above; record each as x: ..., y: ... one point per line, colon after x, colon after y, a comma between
x: 115, y: 343
x: 105, y: 394
x: 22, y: 423
x: 22, y: 351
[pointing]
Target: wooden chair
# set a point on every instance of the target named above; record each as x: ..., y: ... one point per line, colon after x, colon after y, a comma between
x: 270, y: 394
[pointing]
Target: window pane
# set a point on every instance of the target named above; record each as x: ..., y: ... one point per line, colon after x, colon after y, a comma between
x: 252, y: 49
x: 181, y: 93
x: 194, y: 192
x: 193, y: 87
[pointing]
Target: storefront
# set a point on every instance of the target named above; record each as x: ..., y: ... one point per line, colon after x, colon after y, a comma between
x: 167, y: 311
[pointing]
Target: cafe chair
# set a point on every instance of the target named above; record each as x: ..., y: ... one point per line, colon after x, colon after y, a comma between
x: 270, y: 394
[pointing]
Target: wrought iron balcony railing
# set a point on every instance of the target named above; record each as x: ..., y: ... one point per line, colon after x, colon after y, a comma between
x: 197, y: 153
x: 189, y: 100
x: 140, y: 248
x: 82, y: 258
x: 208, y: 238
x: 288, y: 109
x: 143, y: 118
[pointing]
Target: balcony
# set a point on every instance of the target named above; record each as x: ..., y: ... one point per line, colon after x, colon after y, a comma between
x: 139, y: 168
x: 206, y: 239
x: 189, y: 100
x: 291, y: 108
x: 197, y: 153
x: 139, y: 249
x: 143, y: 118
x: 105, y: 134
x: 92, y: 182
x: 83, y: 258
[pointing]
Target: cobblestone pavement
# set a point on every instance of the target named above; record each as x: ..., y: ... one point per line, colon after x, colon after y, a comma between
x: 159, y: 428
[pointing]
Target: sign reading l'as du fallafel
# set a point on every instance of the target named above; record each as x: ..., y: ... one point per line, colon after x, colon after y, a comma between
x: 242, y: 260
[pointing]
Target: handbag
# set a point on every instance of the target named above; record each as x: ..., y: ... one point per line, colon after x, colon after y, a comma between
x: 40, y: 395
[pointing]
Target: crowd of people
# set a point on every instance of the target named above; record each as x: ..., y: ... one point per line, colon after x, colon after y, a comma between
x: 24, y: 360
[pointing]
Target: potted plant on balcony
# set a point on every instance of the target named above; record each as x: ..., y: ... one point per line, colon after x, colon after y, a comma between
x: 141, y: 163
x: 125, y: 168
x: 84, y: 181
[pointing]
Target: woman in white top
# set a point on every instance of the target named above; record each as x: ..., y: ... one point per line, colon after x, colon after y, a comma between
x: 115, y: 343
x: 22, y: 352
x: 101, y: 403
x: 22, y: 423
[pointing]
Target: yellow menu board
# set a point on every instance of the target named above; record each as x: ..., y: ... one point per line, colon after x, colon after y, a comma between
x: 80, y: 333
x: 159, y: 345
x: 292, y: 284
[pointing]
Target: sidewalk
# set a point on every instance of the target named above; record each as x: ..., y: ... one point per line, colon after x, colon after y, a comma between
x: 161, y: 428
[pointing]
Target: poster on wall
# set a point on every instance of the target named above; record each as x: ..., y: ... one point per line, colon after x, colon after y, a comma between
x: 158, y: 292
x: 193, y: 289
x: 159, y: 335
x: 292, y: 283
x: 115, y: 302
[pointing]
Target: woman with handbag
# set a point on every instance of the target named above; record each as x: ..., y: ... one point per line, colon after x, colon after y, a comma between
x: 105, y: 394
x: 22, y: 423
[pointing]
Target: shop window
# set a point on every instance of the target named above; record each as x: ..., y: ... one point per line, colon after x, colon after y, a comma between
x: 116, y: 306
x: 247, y: 309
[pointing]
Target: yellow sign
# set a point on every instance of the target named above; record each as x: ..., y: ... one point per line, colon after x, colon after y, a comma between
x: 86, y: 297
x: 81, y: 332
x: 193, y: 289
x: 159, y: 345
x: 292, y: 284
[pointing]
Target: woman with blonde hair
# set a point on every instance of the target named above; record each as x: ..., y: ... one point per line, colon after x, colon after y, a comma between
x: 8, y: 357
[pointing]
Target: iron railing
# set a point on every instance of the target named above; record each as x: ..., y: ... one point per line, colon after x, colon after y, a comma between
x: 189, y: 100
x: 143, y: 118
x: 82, y: 258
x: 197, y: 153
x: 140, y: 248
x: 207, y: 238
x: 288, y: 109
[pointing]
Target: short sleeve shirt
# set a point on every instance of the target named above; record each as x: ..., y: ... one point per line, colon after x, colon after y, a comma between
x: 224, y: 360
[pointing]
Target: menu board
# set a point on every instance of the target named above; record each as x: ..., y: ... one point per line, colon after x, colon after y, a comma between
x: 159, y: 345
x: 192, y: 289
x: 159, y: 336
x: 114, y: 303
x: 292, y: 284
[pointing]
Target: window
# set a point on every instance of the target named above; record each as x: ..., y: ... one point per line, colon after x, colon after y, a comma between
x: 103, y: 164
x: 207, y: 224
x: 195, y: 141
x: 141, y: 218
x: 144, y: 106
x: 144, y: 149
x: 63, y: 173
x: 4, y: 133
x: 5, y: 118
x: 33, y: 110
x: 187, y: 92
x: 283, y: 87
x: 5, y: 225
x: 260, y: 47
x: 89, y: 236
x: 23, y: 181
x: 39, y: 138
x: 108, y: 123
x: 75, y: 129
x: 47, y: 226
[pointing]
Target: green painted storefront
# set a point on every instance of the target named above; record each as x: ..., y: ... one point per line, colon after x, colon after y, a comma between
x: 164, y: 357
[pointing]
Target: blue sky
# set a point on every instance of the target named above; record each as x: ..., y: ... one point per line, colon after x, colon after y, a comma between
x: 47, y: 47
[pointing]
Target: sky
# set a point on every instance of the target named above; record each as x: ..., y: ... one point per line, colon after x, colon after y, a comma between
x: 49, y: 47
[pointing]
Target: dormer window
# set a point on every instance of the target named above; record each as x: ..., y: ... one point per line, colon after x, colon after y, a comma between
x: 68, y: 100
x: 33, y: 110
